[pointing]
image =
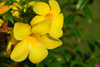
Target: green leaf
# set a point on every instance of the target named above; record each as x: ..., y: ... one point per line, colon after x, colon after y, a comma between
x: 95, y: 54
x: 97, y: 39
x: 40, y: 64
x: 90, y: 1
x: 97, y: 44
x: 69, y: 19
x: 91, y: 38
x: 76, y: 32
x: 10, y: 18
x: 37, y: 0
x: 66, y: 54
x: 3, y: 64
x: 91, y: 45
x: 5, y: 59
x: 1, y: 50
x: 53, y: 64
x: 80, y: 49
x: 91, y: 63
x: 66, y: 5
x: 81, y: 15
x: 81, y: 3
x: 76, y: 62
x: 60, y: 59
x: 88, y: 14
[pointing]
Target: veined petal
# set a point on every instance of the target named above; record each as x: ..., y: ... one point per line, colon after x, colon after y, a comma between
x: 21, y: 30
x: 37, y: 52
x: 49, y: 42
x: 41, y: 8
x: 55, y: 8
x: 58, y: 20
x: 36, y: 19
x: 4, y: 8
x: 20, y: 51
x: 56, y: 31
x: 42, y: 27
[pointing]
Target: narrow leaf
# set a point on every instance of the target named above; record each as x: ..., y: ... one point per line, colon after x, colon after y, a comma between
x: 91, y: 45
x: 80, y: 5
x: 88, y: 14
x: 95, y: 54
x: 10, y: 18
x: 69, y: 19
x: 66, y: 5
x: 97, y: 44
x: 76, y: 62
x: 76, y: 32
x: 80, y: 49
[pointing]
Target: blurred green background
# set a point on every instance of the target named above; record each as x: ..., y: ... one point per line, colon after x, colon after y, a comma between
x: 81, y: 39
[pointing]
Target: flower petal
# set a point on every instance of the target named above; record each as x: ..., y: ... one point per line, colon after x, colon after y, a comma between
x: 56, y: 31
x: 15, y: 12
x: 49, y: 42
x: 17, y: 5
x: 57, y: 24
x: 55, y: 8
x: 41, y: 8
x: 42, y: 27
x: 4, y: 8
x: 21, y: 30
x: 36, y: 19
x: 32, y: 3
x: 20, y: 51
x: 37, y: 52
x: 58, y: 20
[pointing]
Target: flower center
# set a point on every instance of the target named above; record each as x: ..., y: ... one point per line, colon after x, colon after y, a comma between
x: 31, y: 41
x: 49, y: 16
x: 34, y: 35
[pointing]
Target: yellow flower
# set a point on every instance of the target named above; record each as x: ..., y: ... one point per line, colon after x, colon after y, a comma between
x: 4, y: 8
x: 34, y: 42
x: 49, y: 11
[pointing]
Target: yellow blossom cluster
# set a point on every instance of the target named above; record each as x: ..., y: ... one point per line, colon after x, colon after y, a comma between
x: 43, y: 33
